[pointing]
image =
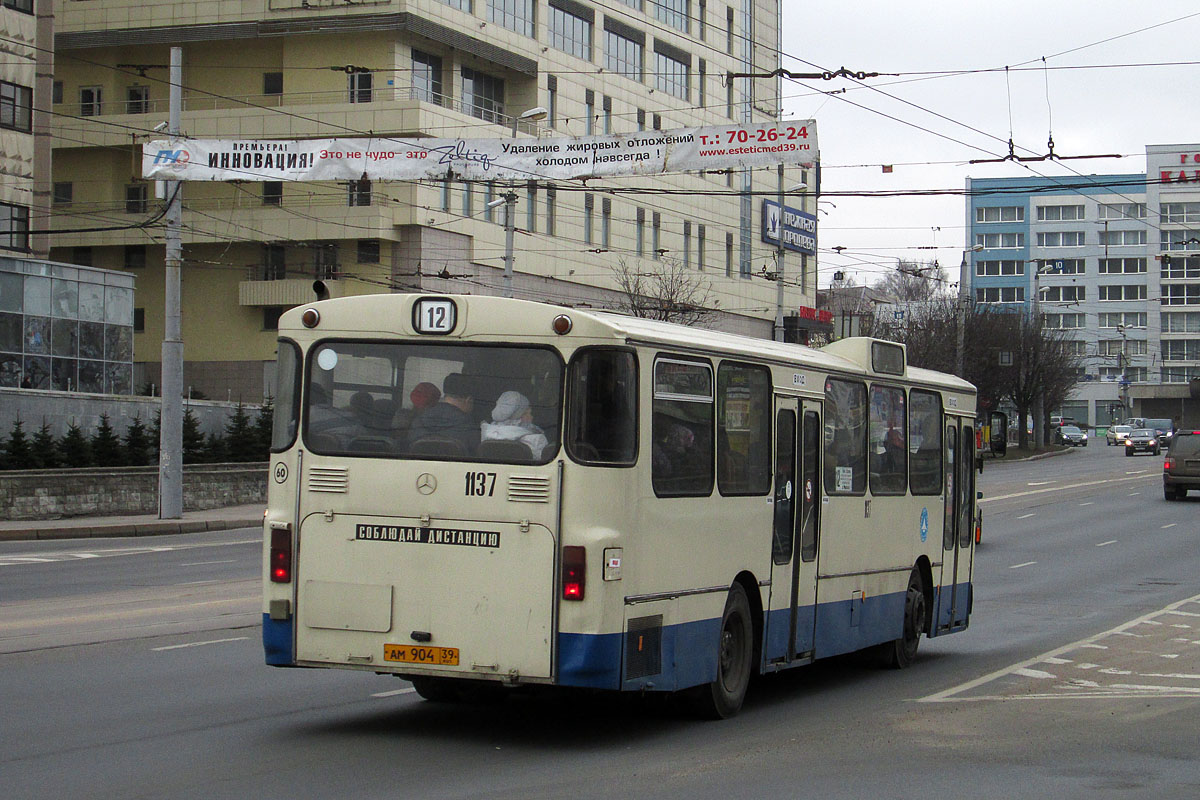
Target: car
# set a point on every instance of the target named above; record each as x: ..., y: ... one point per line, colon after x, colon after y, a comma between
x: 1181, y: 469
x: 1117, y: 433
x: 1070, y: 434
x: 1141, y: 440
x: 1162, y: 427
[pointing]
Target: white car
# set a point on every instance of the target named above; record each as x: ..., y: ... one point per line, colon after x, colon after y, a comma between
x: 1117, y: 434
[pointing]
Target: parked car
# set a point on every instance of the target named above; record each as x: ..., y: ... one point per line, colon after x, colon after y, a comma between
x: 1181, y: 470
x: 1070, y: 434
x: 1117, y: 434
x: 1141, y: 440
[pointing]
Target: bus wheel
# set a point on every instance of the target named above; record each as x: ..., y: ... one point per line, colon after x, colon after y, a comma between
x: 901, y: 652
x: 437, y: 690
x: 723, y: 697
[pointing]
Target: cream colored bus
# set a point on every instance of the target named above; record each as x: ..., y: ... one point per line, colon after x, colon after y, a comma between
x: 476, y: 492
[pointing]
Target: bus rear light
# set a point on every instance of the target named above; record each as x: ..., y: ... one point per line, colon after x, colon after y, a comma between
x: 281, y: 556
x: 574, y: 566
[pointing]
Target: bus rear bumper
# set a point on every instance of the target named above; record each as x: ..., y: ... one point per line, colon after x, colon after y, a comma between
x: 277, y: 642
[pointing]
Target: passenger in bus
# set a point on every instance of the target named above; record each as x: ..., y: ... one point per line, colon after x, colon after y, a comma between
x: 673, y: 454
x: 450, y: 417
x: 512, y: 420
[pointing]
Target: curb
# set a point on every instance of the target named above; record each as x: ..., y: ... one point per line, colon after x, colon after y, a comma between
x: 157, y: 528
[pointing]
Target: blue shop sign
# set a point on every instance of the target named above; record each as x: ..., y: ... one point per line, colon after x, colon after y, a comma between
x: 799, y: 228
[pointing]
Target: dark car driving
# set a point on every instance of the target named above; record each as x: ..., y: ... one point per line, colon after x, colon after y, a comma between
x: 1070, y: 434
x: 1181, y: 470
x: 1141, y: 440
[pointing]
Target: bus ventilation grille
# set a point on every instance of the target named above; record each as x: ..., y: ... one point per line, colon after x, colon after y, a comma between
x: 528, y: 489
x: 328, y: 479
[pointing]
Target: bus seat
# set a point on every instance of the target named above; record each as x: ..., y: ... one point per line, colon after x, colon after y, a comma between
x: 322, y: 442
x: 438, y: 446
x: 372, y: 444
x: 502, y: 450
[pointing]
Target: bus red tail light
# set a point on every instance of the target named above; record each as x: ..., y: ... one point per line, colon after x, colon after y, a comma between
x: 281, y: 556
x: 574, y: 580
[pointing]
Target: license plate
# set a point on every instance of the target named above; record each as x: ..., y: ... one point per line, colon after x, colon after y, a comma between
x: 420, y: 654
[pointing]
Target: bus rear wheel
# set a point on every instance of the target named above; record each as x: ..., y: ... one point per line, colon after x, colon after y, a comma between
x: 723, y: 697
x: 900, y: 653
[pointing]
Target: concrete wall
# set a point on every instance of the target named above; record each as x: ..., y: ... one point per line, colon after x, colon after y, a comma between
x: 57, y: 493
x: 60, y: 409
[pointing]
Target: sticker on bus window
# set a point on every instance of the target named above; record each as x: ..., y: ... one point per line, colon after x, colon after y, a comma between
x: 845, y: 479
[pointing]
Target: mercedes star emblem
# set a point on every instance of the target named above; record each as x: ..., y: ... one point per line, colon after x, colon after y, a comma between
x: 426, y: 483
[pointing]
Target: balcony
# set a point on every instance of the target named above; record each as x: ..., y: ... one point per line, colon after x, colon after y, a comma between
x: 285, y: 292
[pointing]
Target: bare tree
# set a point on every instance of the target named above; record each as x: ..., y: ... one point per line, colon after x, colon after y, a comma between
x: 669, y: 291
x: 912, y: 280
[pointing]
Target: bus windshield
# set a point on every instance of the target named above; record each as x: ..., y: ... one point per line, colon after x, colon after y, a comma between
x: 433, y: 401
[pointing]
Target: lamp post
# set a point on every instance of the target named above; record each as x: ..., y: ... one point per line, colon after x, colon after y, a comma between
x: 964, y: 298
x: 509, y: 201
x: 535, y: 114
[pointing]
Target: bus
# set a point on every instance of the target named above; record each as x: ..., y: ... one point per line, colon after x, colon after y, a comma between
x: 474, y: 493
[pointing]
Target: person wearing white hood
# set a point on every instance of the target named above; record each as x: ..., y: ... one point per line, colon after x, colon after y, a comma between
x: 512, y: 420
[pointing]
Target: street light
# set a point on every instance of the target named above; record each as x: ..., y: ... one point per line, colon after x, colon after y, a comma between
x: 964, y: 272
x: 535, y: 114
x: 509, y: 201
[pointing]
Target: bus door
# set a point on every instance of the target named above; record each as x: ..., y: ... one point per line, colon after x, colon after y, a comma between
x: 958, y: 533
x: 795, y: 530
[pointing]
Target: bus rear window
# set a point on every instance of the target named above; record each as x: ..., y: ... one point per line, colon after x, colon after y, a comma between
x: 602, y: 421
x: 287, y: 397
x: 433, y: 401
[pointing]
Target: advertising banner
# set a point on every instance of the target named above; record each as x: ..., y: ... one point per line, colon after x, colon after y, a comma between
x: 799, y: 228
x: 525, y: 159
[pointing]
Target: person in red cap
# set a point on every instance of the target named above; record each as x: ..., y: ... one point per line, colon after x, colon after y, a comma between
x: 424, y: 395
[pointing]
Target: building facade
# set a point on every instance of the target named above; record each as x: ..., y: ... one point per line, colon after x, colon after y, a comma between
x: 1113, y: 260
x: 295, y: 69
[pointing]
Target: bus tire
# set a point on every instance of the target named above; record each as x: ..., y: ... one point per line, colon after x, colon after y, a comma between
x: 437, y: 690
x: 900, y: 653
x: 723, y: 697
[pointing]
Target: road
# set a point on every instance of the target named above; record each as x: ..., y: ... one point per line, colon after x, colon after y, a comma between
x: 134, y: 669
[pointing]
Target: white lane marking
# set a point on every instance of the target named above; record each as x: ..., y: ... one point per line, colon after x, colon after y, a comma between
x: 1088, y: 503
x: 202, y: 563
x: 1134, y: 494
x: 1034, y: 673
x: 196, y: 583
x: 1026, y: 516
x: 1106, y: 544
x: 1068, y: 486
x: 48, y: 557
x: 1171, y: 525
x: 1039, y: 483
x: 198, y: 644
x: 1026, y: 564
x: 1134, y: 471
x: 394, y: 692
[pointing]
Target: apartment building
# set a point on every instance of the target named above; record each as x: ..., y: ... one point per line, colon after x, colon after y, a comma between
x: 25, y: 70
x: 1113, y: 260
x: 297, y: 69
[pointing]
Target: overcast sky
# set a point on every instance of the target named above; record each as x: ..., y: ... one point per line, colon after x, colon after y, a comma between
x: 1109, y: 109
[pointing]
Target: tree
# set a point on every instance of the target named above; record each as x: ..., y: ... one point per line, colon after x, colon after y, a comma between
x: 215, y: 450
x: 240, y: 436
x: 74, y: 447
x: 193, y: 439
x: 16, y: 450
x: 912, y: 281
x: 43, y: 451
x: 137, y: 444
x: 669, y: 292
x: 263, y: 425
x: 106, y: 445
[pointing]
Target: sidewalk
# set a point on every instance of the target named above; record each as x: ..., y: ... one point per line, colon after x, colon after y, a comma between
x: 215, y: 519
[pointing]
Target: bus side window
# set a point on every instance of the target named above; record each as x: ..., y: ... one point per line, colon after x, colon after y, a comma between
x: 845, y: 437
x: 601, y: 407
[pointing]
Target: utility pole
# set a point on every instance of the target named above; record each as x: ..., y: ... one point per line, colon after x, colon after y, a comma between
x: 510, y: 217
x: 779, y: 264
x: 170, y: 448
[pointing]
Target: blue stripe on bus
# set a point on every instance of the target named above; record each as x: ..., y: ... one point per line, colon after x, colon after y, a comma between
x: 277, y: 641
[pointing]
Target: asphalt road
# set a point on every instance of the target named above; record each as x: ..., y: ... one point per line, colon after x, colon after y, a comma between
x: 131, y: 670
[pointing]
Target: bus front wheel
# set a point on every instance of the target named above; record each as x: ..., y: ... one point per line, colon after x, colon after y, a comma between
x: 723, y: 697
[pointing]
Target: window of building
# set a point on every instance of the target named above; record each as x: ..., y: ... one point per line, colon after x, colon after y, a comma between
x: 82, y: 255
x: 136, y: 198
x: 91, y: 100
x: 1181, y: 349
x: 1056, y: 213
x: 671, y: 74
x: 14, y: 227
x: 1123, y: 238
x: 531, y: 206
x: 325, y: 260
x: 681, y: 428
x: 16, y: 107
x: 1060, y: 239
x: 368, y: 251
x: 489, y: 194
x: 1180, y: 374
x: 137, y: 99
x: 1063, y: 294
x: 468, y: 198
x: 1122, y: 266
x: 640, y: 232
x: 427, y: 77
x: 446, y: 187
x: 462, y: 5
x: 1180, y: 213
x: 272, y: 83
x: 1181, y: 322
x: 701, y: 74
x: 135, y: 256
x: 1065, y: 321
x: 700, y: 236
x: 1000, y: 214
x: 358, y: 193
x: 63, y: 193
x: 656, y: 251
x: 608, y: 115
x: 516, y: 15
x: 1179, y: 267
x: 271, y: 315
x: 606, y: 223
x: 552, y: 100
x: 729, y: 96
x: 551, y: 203
x: 743, y: 429
x: 1117, y: 291
x: 570, y: 28
x: 1000, y: 241
x: 589, y: 207
x: 1177, y: 240
x: 673, y: 12
x: 623, y: 54
x: 845, y: 437
x: 1061, y: 266
x: 1122, y: 319
x: 989, y: 268
x: 274, y: 262
x: 701, y: 19
x: 20, y: 5
x: 56, y: 92
x: 728, y: 255
x: 1000, y: 294
x: 589, y: 112
x: 729, y: 30
x: 139, y: 320
x: 1122, y: 211
x: 361, y: 87
x: 637, y: 4
x: 1125, y: 347
x: 272, y: 193
x: 1180, y: 294
x: 687, y: 244
x: 483, y: 95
